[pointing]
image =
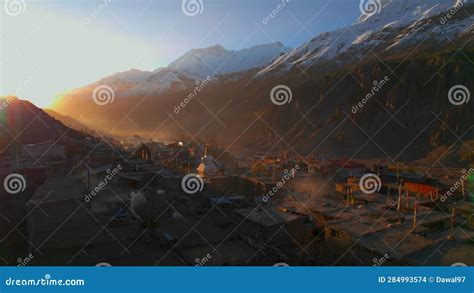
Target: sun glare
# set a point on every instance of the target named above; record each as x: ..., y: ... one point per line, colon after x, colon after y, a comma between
x: 62, y: 52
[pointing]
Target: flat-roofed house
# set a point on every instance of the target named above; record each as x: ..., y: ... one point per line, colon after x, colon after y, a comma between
x: 152, y: 151
x: 58, y: 216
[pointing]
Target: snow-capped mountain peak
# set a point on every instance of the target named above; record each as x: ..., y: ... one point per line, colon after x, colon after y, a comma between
x: 389, y: 15
x: 217, y: 60
x: 396, y: 13
x: 196, y: 64
x: 132, y: 75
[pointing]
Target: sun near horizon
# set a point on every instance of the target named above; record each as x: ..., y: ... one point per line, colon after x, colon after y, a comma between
x: 62, y: 52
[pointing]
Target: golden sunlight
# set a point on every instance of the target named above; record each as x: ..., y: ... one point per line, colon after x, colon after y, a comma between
x: 74, y: 53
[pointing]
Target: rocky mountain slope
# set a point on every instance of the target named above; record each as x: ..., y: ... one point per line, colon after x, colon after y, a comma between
x: 70, y: 122
x: 393, y: 26
x: 398, y: 79
x: 23, y: 123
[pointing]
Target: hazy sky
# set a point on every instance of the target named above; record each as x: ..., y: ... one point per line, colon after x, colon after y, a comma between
x: 48, y: 47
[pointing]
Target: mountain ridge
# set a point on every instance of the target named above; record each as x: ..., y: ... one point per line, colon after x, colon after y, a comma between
x: 421, y: 73
x: 194, y: 65
x: 368, y: 33
x: 27, y: 124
